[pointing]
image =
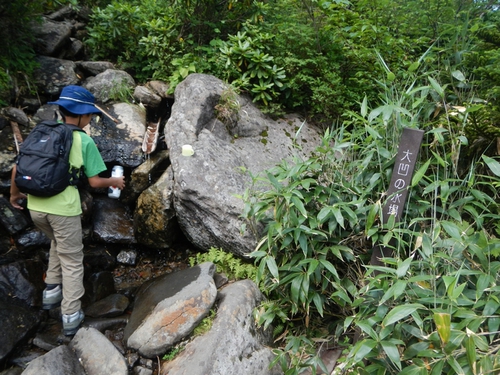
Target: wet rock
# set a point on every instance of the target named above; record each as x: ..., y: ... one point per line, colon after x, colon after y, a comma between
x: 98, y: 286
x: 12, y: 219
x: 54, y: 74
x: 98, y: 258
x: 103, y: 324
x: 120, y: 143
x: 87, y: 202
x: 168, y: 308
x: 32, y: 238
x: 148, y: 172
x: 22, y: 281
x: 18, y: 324
x: 155, y: 223
x: 245, y: 350
x: 97, y: 355
x: 113, y: 222
x: 220, y: 280
x: 127, y: 257
x: 60, y: 360
x: 62, y: 13
x: 108, y: 307
x: 12, y: 371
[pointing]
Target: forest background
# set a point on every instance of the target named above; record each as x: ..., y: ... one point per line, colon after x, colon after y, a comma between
x: 363, y: 70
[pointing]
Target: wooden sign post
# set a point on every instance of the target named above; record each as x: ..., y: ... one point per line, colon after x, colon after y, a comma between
x: 397, y: 193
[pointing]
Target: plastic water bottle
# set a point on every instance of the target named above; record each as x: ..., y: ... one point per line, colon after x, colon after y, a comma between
x: 113, y: 191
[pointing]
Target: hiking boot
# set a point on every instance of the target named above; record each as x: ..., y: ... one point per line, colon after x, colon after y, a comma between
x: 52, y: 296
x: 72, y: 322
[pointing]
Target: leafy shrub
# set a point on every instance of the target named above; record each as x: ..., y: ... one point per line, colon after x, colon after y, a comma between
x: 17, y: 61
x: 432, y: 307
x: 234, y: 268
x: 248, y: 54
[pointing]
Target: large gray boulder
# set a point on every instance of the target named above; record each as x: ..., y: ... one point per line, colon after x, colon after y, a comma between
x: 168, y: 308
x: 97, y: 354
x: 207, y: 184
x: 234, y: 345
x: 51, y: 36
x: 60, y: 360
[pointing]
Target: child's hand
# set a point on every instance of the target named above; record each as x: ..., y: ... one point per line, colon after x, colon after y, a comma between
x: 118, y: 182
x: 15, y: 198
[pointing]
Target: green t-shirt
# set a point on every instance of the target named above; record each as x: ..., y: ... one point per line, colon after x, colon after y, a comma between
x: 84, y: 153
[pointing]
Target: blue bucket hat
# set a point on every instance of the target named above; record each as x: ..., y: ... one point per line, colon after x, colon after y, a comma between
x: 77, y: 100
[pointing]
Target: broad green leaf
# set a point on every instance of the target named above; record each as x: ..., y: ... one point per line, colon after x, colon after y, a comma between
x: 492, y: 164
x: 418, y: 175
x: 367, y: 327
x: 313, y: 264
x: 347, y: 322
x: 415, y: 349
x: 300, y: 206
x: 458, y: 75
x: 370, y: 219
x: 392, y: 353
x: 427, y: 247
x: 470, y: 351
x: 452, y: 229
x: 338, y: 216
x: 479, y: 342
x: 295, y: 288
x: 435, y: 85
x: 437, y: 369
x: 375, y: 113
x: 401, y: 312
x: 403, y: 267
x: 414, y: 66
x: 443, y: 325
x: 272, y: 267
x: 412, y: 370
x: 324, y: 213
x: 455, y: 365
x: 457, y: 292
x: 364, y: 107
x: 318, y: 302
x: 394, y: 291
x: 330, y: 267
x: 363, y: 348
x: 373, y: 132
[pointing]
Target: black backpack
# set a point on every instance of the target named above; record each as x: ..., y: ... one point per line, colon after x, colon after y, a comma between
x: 42, y: 166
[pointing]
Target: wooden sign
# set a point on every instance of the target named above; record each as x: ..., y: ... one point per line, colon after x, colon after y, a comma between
x: 402, y: 174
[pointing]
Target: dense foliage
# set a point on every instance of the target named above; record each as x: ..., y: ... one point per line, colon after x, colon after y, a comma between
x: 316, y: 56
x: 432, y: 308
x: 370, y: 69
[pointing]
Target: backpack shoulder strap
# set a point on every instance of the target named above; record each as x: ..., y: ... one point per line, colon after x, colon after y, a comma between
x: 55, y: 123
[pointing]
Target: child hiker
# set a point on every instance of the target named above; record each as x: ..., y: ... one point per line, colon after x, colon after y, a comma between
x: 58, y: 216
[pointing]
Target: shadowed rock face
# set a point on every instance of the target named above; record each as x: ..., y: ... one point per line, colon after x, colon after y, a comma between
x: 206, y: 184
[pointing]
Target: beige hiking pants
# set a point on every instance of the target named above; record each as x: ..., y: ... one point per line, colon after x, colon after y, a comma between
x: 66, y: 256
